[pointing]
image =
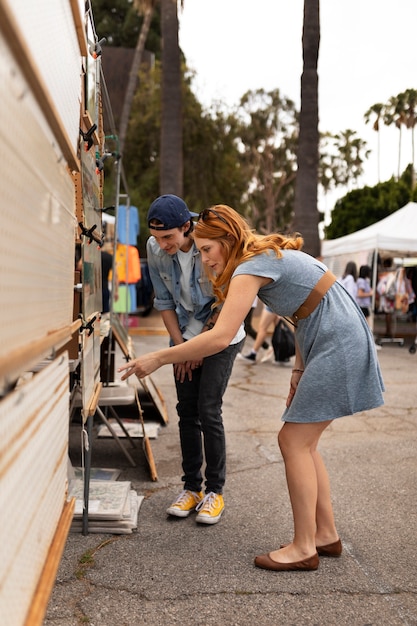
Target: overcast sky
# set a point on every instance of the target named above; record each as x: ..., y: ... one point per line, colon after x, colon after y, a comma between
x: 368, y: 53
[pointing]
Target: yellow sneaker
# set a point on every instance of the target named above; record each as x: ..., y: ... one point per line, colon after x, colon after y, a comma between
x: 185, y: 503
x: 210, y: 509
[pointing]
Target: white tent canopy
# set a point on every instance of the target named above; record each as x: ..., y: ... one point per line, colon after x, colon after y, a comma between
x: 396, y: 234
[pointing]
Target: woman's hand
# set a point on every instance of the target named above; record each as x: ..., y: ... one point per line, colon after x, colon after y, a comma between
x: 295, y: 379
x: 143, y: 366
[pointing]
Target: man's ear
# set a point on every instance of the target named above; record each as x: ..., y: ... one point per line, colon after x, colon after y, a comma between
x: 185, y: 227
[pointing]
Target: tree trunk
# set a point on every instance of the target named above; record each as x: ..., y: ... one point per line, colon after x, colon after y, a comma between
x: 133, y: 74
x: 306, y: 215
x: 171, y: 165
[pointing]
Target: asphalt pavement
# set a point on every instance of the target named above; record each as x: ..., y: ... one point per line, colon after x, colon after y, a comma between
x: 173, y: 571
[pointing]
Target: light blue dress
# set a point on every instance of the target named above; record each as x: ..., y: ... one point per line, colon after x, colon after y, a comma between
x: 342, y: 374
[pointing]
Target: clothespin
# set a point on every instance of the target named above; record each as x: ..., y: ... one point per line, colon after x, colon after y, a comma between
x: 88, y: 326
x: 88, y: 137
x: 95, y: 49
x: 89, y: 234
x: 100, y: 160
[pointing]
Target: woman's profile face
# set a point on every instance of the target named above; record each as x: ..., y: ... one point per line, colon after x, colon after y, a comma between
x: 212, y: 254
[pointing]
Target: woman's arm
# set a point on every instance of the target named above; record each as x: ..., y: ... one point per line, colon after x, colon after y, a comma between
x: 242, y: 291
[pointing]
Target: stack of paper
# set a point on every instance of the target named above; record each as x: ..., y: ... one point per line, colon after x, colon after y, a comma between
x: 133, y: 427
x: 113, y: 506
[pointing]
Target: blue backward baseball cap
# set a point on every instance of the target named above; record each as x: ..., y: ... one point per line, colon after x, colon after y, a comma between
x: 171, y: 211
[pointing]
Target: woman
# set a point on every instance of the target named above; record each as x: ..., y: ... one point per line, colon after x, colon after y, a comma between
x: 364, y: 291
x: 336, y: 371
x: 349, y: 278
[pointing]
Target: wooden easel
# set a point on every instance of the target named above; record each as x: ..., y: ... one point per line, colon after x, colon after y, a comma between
x: 153, y: 393
x: 118, y: 333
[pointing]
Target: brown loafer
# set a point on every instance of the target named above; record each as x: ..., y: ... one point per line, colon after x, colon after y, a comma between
x: 265, y: 562
x: 331, y: 549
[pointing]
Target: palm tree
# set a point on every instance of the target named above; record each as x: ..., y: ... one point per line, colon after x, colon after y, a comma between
x: 394, y: 113
x: 171, y: 147
x: 376, y: 109
x: 411, y: 119
x: 145, y: 8
x: 306, y: 215
x: 352, y: 153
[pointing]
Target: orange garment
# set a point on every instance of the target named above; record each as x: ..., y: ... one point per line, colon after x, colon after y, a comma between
x: 128, y: 269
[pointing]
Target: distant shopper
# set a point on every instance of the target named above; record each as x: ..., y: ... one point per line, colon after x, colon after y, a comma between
x: 349, y: 278
x: 249, y: 329
x: 387, y: 289
x: 267, y: 318
x: 364, y: 291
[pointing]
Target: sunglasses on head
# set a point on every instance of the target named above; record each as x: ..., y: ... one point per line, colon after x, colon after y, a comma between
x: 204, y: 215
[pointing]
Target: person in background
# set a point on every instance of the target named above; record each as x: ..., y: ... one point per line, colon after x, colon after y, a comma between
x: 333, y: 344
x: 411, y: 273
x: 267, y: 318
x: 364, y: 291
x: 249, y: 329
x: 386, y: 290
x: 184, y: 297
x: 349, y: 278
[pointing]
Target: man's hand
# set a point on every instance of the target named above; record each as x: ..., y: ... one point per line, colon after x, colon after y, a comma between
x: 183, y: 370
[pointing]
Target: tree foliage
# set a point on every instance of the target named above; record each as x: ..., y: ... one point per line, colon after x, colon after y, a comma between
x: 245, y: 157
x: 363, y: 207
x: 400, y: 111
x: 267, y: 129
x: 120, y: 22
x: 341, y: 159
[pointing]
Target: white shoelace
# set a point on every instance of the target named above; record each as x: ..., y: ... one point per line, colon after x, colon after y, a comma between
x: 183, y: 497
x: 207, y: 502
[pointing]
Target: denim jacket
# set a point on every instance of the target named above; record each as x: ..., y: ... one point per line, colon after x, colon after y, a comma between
x: 165, y: 272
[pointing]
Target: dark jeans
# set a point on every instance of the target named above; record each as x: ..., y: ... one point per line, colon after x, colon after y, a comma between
x: 200, y: 421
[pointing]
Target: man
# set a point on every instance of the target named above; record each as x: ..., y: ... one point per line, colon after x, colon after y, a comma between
x: 184, y: 296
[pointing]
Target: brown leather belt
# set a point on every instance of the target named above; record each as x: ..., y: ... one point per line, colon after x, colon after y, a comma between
x: 314, y: 297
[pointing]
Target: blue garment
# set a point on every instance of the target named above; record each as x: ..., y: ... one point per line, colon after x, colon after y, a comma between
x: 128, y: 225
x: 165, y: 272
x: 342, y: 374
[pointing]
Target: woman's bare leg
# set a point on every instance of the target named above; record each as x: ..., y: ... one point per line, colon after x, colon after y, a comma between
x: 308, y: 488
x: 325, y: 525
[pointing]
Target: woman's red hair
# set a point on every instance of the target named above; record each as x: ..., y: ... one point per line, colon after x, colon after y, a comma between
x: 224, y: 224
